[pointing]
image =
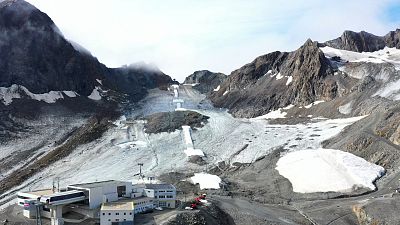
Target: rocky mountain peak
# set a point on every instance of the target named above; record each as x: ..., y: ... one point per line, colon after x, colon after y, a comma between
x: 392, y: 39
x: 357, y: 42
x: 205, y: 81
x: 35, y: 54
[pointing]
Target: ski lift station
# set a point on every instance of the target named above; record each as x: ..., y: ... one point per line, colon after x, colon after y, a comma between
x: 112, y: 202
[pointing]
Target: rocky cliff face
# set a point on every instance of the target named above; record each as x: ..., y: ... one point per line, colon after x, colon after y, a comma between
x: 357, y: 42
x: 205, y: 81
x: 278, y: 79
x: 364, y: 41
x: 392, y: 39
x: 34, y: 54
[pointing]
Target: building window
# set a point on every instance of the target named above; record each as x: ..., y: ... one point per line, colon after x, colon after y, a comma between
x: 124, y: 214
x: 117, y: 214
x: 104, y: 214
x: 109, y: 214
x: 170, y: 196
x: 130, y: 213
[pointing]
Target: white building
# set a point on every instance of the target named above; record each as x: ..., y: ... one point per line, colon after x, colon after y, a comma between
x: 143, y: 204
x: 104, y: 191
x: 164, y: 194
x: 117, y: 213
x: 112, y: 201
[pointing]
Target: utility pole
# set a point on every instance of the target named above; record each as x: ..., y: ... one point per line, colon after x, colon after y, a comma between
x: 140, y: 170
x: 38, y: 205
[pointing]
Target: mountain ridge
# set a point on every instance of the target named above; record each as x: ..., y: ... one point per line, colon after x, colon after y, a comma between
x: 35, y: 54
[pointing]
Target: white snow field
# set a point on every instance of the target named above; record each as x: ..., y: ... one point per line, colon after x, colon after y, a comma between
x: 324, y: 170
x: 117, y: 153
x: 206, y: 181
x: 7, y: 94
x: 386, y: 55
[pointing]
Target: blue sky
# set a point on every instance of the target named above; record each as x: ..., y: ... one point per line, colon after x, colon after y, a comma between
x: 181, y: 36
x: 393, y: 12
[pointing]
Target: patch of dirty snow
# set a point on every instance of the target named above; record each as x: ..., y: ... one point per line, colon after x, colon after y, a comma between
x: 206, y: 181
x: 313, y: 104
x: 324, y: 170
x: 7, y: 94
x: 193, y: 152
x: 289, y: 80
x: 217, y: 89
x: 279, y: 76
x: 390, y: 91
x: 273, y: 115
x: 71, y: 94
x: 346, y: 108
x: 95, y: 95
x: 288, y: 107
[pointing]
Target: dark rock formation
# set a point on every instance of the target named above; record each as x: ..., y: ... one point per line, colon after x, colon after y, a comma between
x: 357, y: 42
x: 277, y: 80
x: 207, y: 215
x: 34, y: 54
x: 364, y: 42
x: 392, y: 39
x: 171, y: 121
x: 207, y: 81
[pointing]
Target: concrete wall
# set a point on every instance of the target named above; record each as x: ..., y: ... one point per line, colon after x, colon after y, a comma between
x: 95, y: 197
x: 109, y: 216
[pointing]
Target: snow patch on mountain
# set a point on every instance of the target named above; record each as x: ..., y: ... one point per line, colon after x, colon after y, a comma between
x: 273, y: 115
x: 206, y: 181
x: 324, y: 170
x: 7, y: 94
x: 390, y: 91
x: 313, y: 104
x: 289, y: 80
x: 95, y: 95
x: 386, y: 55
x: 346, y: 108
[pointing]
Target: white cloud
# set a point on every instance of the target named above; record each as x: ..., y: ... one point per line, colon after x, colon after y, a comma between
x: 181, y: 36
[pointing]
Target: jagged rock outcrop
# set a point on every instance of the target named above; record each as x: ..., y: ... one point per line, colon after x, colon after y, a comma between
x: 277, y: 80
x: 205, y: 80
x: 34, y: 54
x: 392, y: 39
x: 364, y: 41
x: 357, y: 42
x: 171, y: 121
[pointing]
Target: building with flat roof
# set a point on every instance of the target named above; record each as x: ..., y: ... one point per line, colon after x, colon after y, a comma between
x: 143, y: 204
x: 114, y: 202
x: 117, y: 213
x: 104, y: 191
x: 164, y: 194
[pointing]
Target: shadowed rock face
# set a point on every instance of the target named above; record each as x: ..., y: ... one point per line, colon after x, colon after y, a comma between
x: 171, y: 121
x: 206, y: 81
x: 35, y: 54
x: 357, y: 42
x: 364, y: 42
x: 392, y: 39
x: 277, y: 80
